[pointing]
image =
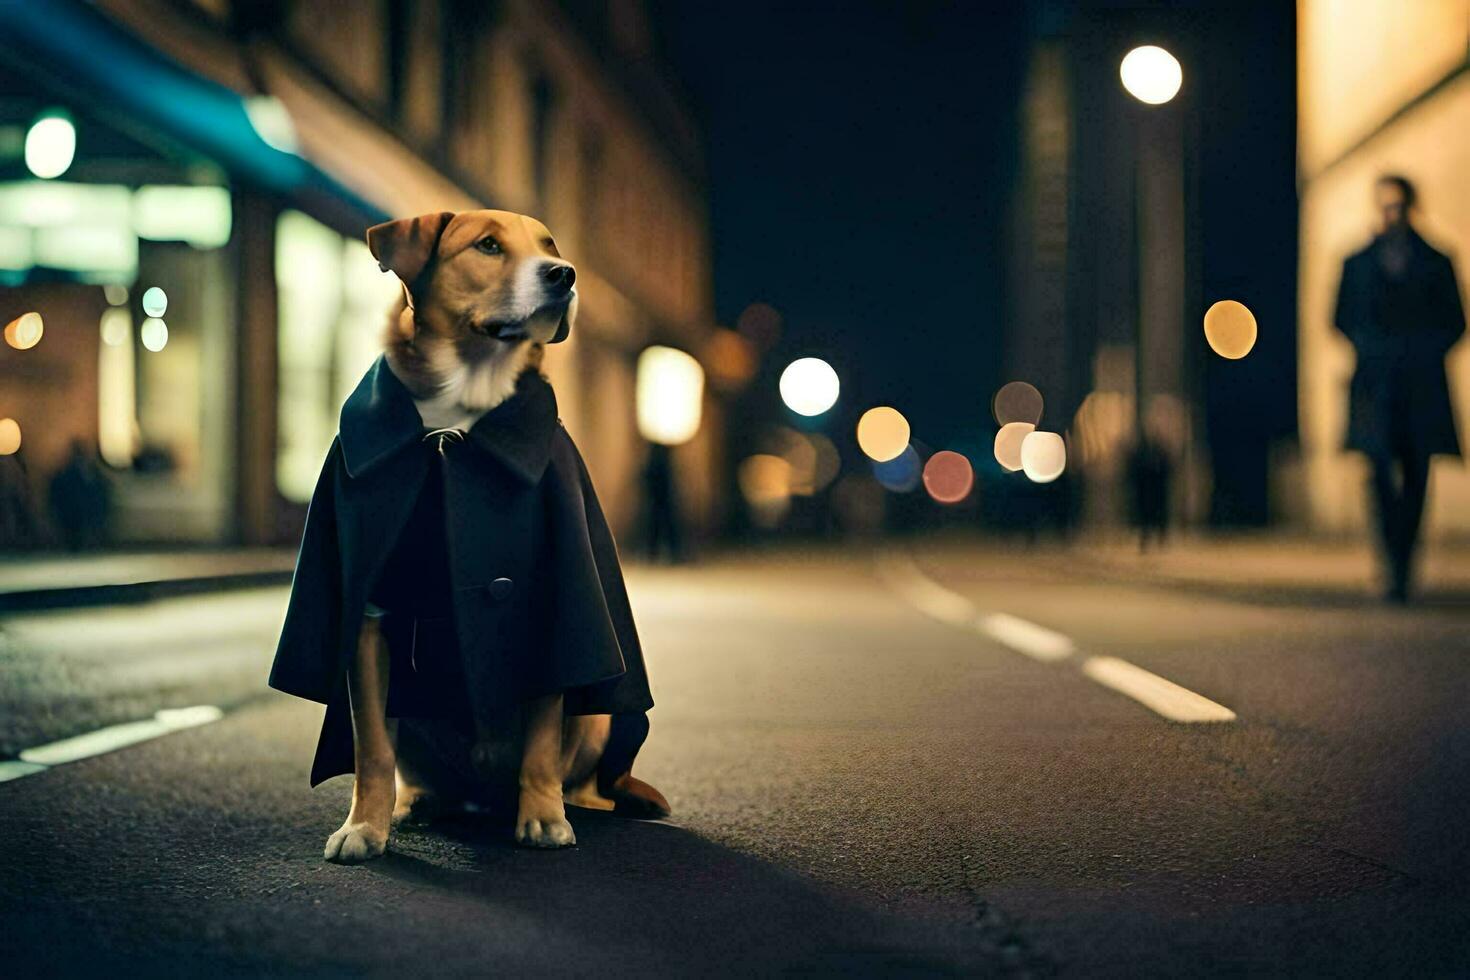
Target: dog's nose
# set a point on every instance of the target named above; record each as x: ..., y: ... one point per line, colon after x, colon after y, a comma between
x: 558, y: 278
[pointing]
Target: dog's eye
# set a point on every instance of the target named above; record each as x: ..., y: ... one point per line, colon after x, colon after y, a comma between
x: 488, y: 245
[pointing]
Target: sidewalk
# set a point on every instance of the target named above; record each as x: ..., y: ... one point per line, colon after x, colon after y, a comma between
x: 56, y: 580
x: 1275, y: 568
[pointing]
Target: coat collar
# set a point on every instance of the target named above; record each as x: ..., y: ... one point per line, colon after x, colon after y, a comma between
x: 379, y: 419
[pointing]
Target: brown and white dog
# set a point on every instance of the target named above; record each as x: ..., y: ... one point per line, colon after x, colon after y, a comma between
x: 483, y: 291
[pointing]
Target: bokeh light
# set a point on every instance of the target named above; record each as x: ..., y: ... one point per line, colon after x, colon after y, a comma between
x: 1103, y: 421
x: 798, y: 452
x: 809, y: 386
x: 115, y: 293
x: 826, y: 463
x: 153, y: 334
x: 9, y: 437
x: 272, y: 122
x: 24, y: 332
x: 1043, y: 456
x: 1008, y: 443
x: 1151, y: 74
x: 900, y: 474
x: 1230, y: 329
x: 115, y: 326
x: 729, y: 359
x: 669, y: 395
x: 760, y: 323
x: 813, y: 459
x: 882, y: 433
x: 1017, y: 401
x: 948, y: 477
x: 51, y: 145
x: 155, y: 301
x: 765, y: 483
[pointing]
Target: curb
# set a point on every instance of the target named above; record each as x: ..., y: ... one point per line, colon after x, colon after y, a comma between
x: 118, y: 593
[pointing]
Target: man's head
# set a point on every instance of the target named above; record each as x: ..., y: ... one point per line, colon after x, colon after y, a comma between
x: 1394, y: 197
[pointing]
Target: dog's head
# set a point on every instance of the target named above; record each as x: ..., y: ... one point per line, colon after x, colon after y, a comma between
x: 479, y: 279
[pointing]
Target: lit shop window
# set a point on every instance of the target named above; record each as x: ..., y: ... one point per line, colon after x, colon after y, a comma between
x: 92, y: 231
x: 334, y: 301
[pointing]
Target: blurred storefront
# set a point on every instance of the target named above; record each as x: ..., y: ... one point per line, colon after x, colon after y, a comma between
x: 198, y: 263
x: 1383, y: 88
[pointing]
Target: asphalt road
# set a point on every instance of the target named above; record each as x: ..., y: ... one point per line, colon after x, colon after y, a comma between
x: 860, y: 786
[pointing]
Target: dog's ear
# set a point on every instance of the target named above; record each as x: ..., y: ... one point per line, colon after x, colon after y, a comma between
x: 406, y: 246
x: 564, y: 328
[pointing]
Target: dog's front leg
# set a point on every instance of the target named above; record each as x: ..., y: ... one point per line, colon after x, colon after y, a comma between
x: 541, y: 819
x: 365, y: 834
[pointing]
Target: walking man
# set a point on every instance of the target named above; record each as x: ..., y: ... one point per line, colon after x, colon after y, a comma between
x: 1400, y: 306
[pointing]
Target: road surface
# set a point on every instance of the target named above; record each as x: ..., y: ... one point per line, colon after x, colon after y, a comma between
x: 952, y: 762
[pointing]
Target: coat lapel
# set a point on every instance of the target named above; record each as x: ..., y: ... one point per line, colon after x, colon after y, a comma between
x: 380, y: 419
x: 518, y: 432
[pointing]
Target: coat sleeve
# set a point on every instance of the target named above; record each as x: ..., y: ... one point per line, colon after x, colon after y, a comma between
x: 308, y: 657
x: 1349, y: 314
x: 1452, y: 319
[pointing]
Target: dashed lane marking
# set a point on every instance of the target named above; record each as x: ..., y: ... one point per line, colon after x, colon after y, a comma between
x: 1163, y: 696
x: 1158, y: 694
x: 104, y: 740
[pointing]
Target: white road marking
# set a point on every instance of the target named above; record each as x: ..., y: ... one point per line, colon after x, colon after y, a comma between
x: 14, y: 769
x: 1156, y: 693
x: 109, y: 739
x: 1027, y: 637
x: 1163, y: 696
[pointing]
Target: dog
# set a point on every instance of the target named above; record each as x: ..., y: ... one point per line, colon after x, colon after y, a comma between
x: 483, y: 292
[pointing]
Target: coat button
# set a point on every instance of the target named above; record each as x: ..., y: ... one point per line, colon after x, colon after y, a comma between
x: 501, y: 588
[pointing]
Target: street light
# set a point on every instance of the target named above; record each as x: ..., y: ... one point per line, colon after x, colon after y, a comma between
x: 1151, y: 74
x: 809, y: 386
x: 51, y: 144
x: 670, y: 395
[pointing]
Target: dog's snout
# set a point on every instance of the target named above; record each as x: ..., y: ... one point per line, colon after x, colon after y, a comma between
x: 558, y: 277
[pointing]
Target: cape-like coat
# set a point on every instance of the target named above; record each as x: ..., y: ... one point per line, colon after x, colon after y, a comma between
x: 1400, y: 395
x: 538, y: 597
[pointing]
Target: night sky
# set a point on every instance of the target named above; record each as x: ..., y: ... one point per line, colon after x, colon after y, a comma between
x: 859, y: 157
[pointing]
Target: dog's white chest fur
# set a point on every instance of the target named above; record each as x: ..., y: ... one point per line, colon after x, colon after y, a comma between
x: 445, y: 412
x: 467, y: 391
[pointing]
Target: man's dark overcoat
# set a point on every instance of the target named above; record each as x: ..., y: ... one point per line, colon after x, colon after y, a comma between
x: 538, y: 597
x: 1402, y: 329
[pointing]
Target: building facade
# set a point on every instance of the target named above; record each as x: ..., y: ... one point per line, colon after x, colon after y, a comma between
x: 1383, y: 88
x: 231, y: 154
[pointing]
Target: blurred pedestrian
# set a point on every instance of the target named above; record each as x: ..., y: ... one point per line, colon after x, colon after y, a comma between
x: 1400, y: 306
x: 18, y: 522
x: 664, y: 528
x: 1150, y: 483
x: 81, y: 499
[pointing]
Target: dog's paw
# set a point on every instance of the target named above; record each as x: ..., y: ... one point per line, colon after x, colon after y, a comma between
x: 541, y: 821
x: 355, y: 843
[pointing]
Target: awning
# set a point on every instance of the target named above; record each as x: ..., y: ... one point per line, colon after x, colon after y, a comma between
x: 79, y: 50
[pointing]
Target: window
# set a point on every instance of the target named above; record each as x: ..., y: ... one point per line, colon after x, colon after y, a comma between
x: 333, y: 305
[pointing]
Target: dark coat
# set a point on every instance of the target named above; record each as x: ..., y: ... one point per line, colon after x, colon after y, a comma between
x: 1400, y: 399
x: 539, y: 604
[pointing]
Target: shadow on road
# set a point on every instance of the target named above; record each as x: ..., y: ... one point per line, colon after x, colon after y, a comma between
x: 638, y: 895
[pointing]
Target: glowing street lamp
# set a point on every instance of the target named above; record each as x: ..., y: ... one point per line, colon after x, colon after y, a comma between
x: 809, y: 386
x: 51, y: 144
x: 670, y: 395
x: 1151, y: 74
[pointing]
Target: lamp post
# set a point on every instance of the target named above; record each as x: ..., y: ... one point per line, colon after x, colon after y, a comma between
x: 1154, y: 77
